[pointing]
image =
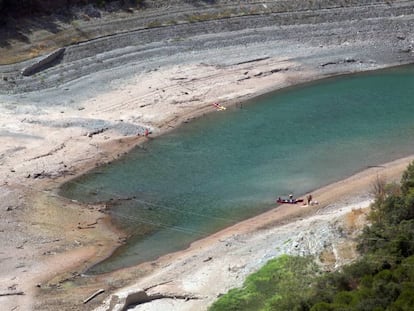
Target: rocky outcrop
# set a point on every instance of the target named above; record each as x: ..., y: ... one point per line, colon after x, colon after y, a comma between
x: 44, y: 62
x: 136, y: 296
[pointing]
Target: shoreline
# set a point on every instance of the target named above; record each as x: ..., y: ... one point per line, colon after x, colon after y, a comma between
x: 133, y: 142
x: 58, y: 133
x: 240, y: 246
x: 114, y: 149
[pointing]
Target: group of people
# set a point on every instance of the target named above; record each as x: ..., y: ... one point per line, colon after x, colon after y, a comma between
x: 308, y: 198
x: 293, y: 200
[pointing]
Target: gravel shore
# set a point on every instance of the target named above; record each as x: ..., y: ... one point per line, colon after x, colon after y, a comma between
x: 155, y: 69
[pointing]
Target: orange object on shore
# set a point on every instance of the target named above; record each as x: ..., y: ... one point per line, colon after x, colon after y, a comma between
x: 219, y: 107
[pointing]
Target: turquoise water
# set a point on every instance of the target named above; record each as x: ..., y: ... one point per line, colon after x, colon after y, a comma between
x: 231, y: 165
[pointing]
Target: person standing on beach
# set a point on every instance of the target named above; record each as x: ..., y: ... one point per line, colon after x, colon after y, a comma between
x: 309, y: 198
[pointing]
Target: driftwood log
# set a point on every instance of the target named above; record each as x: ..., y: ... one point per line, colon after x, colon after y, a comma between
x: 12, y: 294
x: 98, y: 292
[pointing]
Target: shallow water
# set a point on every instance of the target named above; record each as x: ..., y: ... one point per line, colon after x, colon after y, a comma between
x: 231, y: 165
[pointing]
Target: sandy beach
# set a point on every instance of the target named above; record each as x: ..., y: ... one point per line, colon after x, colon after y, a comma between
x: 53, y: 130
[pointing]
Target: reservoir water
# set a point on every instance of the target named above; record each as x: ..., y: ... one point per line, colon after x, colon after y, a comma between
x: 231, y: 165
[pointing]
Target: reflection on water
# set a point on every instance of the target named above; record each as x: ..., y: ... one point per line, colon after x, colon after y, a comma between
x: 231, y: 165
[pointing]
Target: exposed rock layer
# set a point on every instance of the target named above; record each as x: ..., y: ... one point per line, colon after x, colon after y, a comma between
x: 152, y: 37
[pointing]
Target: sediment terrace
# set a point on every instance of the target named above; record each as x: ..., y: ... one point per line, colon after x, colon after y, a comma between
x: 182, y: 33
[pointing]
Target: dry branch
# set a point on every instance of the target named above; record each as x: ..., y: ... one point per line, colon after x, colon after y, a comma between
x: 98, y: 292
x: 11, y: 294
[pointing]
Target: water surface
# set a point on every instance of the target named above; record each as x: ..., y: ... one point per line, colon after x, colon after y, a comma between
x: 231, y: 165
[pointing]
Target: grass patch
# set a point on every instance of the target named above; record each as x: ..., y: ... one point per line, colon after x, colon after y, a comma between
x: 274, y: 287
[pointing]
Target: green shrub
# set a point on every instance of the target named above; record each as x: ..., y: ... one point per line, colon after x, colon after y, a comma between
x: 274, y: 287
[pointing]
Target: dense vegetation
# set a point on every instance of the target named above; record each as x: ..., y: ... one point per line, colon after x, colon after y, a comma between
x: 382, y: 279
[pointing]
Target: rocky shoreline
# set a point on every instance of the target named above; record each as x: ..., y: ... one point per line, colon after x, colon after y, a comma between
x: 137, y: 71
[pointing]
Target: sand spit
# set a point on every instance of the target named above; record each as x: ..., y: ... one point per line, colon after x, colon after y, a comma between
x: 96, y: 102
